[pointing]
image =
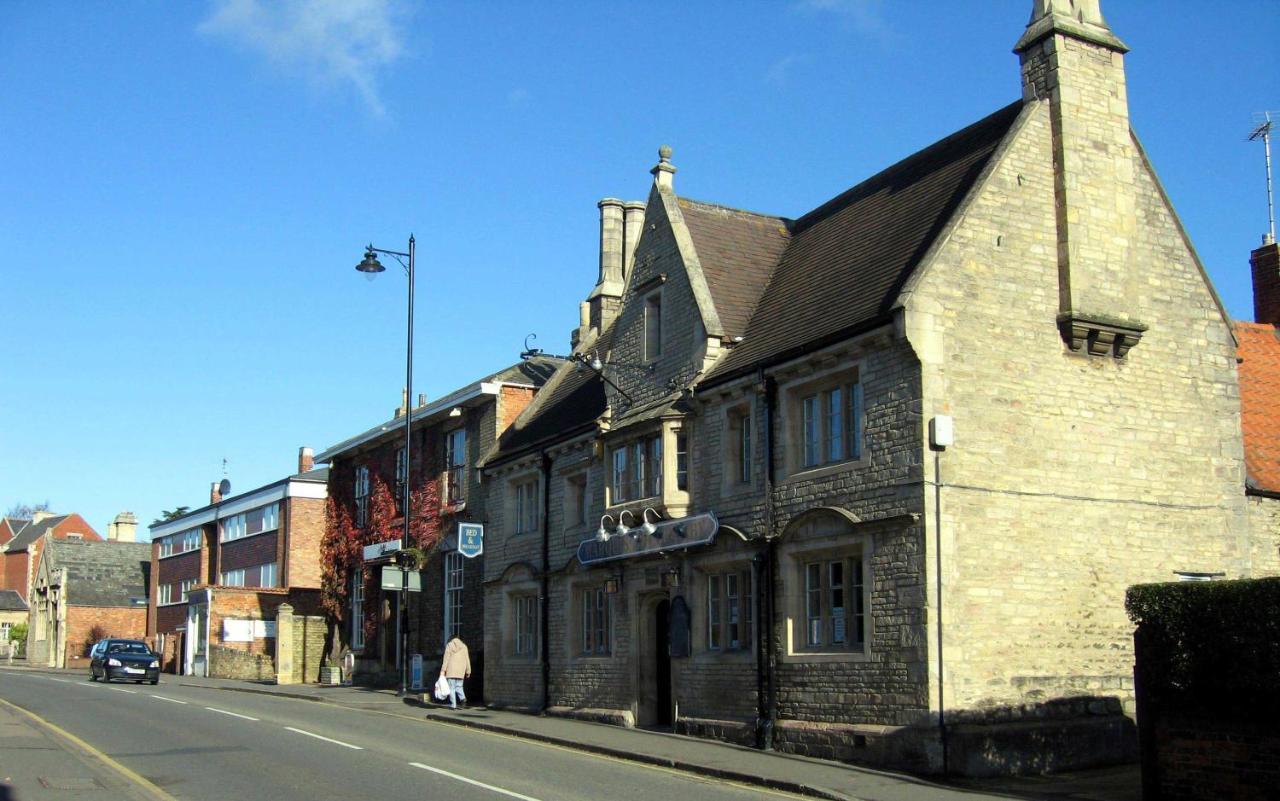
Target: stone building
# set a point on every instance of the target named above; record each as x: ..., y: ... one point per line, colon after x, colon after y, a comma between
x: 365, y: 525
x: 221, y: 572
x: 870, y: 483
x: 84, y: 591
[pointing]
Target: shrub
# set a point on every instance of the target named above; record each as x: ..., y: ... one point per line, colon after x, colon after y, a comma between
x: 1210, y: 646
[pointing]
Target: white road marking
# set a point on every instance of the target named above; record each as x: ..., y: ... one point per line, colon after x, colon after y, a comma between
x: 232, y: 714
x: 472, y: 781
x: 326, y: 739
x: 60, y: 681
x: 170, y: 700
x: 123, y: 690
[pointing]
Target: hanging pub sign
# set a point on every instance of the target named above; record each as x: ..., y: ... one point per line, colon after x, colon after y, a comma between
x: 392, y: 579
x: 667, y: 535
x: 470, y: 539
x: 380, y: 550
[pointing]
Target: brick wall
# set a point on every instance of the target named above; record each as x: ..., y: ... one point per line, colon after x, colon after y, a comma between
x: 17, y: 573
x: 113, y: 621
x: 309, y: 632
x: 248, y: 552
x: 305, y: 527
x: 236, y: 663
x: 1265, y: 265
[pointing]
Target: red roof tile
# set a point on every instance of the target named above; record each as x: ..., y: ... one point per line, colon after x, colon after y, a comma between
x: 1260, y: 403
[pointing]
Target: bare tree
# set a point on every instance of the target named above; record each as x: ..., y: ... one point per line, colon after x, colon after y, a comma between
x: 24, y: 511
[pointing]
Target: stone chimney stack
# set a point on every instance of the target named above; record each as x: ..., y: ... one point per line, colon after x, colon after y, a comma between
x: 1074, y: 64
x: 633, y: 226
x: 124, y: 528
x: 40, y: 514
x: 605, y: 299
x: 1265, y: 262
x: 215, y: 493
x: 306, y: 459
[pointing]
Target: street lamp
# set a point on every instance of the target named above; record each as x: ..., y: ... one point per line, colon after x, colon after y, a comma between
x: 370, y: 266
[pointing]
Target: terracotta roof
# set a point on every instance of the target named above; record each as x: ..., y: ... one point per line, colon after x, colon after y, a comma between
x: 1260, y: 403
x: 848, y: 259
x: 738, y: 251
x: 32, y: 532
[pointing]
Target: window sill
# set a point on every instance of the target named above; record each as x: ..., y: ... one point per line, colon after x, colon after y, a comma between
x: 823, y: 471
x: 820, y: 656
x: 184, y: 553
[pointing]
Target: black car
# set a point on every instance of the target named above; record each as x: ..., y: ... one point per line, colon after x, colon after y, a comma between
x: 124, y: 659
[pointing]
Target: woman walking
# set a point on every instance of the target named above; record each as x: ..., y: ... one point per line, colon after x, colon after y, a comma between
x: 455, y: 667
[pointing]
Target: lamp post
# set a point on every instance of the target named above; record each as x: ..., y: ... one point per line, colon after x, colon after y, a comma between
x: 370, y: 266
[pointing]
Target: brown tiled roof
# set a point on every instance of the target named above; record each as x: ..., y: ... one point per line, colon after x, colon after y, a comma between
x: 738, y: 250
x: 848, y: 259
x: 1260, y: 403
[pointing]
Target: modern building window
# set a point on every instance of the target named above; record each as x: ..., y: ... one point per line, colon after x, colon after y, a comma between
x: 730, y: 611
x: 357, y: 609
x: 180, y: 543
x: 257, y: 576
x: 254, y: 521
x: 526, y: 619
x: 653, y: 326
x: 525, y: 506
x: 456, y: 465
x: 576, y: 511
x: 597, y: 624
x: 453, y: 562
x: 402, y: 478
x: 361, y: 494
x: 164, y: 594
x: 185, y: 588
x: 637, y: 470
x: 835, y: 611
x: 829, y: 425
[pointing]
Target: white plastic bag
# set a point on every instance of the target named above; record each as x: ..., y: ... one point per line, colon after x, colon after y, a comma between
x: 442, y: 688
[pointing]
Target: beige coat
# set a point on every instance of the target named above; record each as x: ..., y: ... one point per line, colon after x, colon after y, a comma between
x: 457, y: 662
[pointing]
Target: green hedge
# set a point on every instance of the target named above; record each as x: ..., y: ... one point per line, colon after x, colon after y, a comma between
x: 1209, y: 646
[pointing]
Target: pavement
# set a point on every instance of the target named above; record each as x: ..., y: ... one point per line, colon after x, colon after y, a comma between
x: 801, y: 775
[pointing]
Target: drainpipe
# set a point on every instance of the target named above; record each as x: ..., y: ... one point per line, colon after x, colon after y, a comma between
x: 765, y: 568
x: 544, y: 601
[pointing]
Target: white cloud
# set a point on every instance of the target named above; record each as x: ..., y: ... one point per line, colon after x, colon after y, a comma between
x: 866, y: 16
x: 779, y: 73
x: 325, y: 41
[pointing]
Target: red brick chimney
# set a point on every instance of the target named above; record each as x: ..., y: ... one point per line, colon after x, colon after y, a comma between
x: 1265, y: 262
x: 306, y: 460
x: 215, y: 493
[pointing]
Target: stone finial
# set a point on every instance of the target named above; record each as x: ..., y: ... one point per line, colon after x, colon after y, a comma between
x: 1079, y: 18
x: 663, y: 172
x: 1087, y: 11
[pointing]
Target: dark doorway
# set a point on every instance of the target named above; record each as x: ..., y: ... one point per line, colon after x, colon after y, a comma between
x: 662, y: 669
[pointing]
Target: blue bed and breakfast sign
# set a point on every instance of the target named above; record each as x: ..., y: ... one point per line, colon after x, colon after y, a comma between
x: 470, y: 539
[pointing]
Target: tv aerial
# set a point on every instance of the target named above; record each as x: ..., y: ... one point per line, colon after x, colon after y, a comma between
x: 1262, y: 131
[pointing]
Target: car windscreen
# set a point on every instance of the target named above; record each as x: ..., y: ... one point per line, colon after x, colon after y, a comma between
x: 128, y: 648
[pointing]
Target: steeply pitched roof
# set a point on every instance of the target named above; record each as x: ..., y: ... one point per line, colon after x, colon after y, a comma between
x: 570, y: 404
x: 1259, y: 371
x: 11, y: 601
x: 848, y: 259
x: 32, y: 532
x: 738, y: 251
x: 102, y: 573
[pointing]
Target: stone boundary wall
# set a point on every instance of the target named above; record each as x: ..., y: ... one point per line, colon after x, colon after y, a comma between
x: 236, y: 663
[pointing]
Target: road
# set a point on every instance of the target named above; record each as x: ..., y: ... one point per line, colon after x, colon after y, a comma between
x: 201, y: 744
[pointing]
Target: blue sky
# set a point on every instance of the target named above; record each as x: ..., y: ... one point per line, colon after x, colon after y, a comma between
x: 187, y: 187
